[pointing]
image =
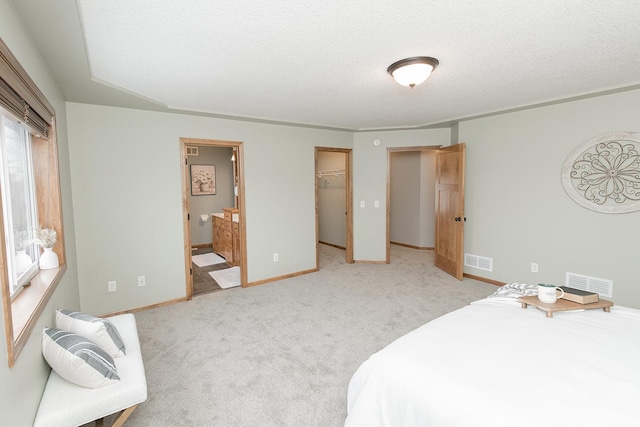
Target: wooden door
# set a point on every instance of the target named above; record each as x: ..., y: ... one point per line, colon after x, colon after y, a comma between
x: 450, y: 165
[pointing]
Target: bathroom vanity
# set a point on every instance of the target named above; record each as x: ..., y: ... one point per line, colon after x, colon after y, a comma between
x: 226, y: 235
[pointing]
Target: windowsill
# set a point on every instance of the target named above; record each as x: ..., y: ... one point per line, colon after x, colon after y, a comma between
x: 27, y: 307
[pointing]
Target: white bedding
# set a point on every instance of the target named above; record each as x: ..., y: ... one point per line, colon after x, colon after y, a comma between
x: 495, y: 364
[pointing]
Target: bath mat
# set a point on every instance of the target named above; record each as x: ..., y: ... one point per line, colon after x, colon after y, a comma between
x: 227, y: 278
x: 210, y: 258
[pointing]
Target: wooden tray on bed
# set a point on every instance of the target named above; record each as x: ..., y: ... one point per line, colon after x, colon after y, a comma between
x: 563, y: 305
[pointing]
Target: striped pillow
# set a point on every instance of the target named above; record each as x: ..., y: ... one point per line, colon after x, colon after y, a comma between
x: 515, y: 290
x: 78, y: 360
x: 97, y: 330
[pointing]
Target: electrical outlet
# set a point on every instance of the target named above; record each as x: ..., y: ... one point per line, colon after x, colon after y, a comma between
x: 362, y: 203
x: 376, y: 204
x: 141, y: 281
x: 534, y: 267
x: 111, y: 286
x: 275, y: 257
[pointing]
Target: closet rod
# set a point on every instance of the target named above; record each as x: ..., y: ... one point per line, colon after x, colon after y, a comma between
x: 331, y: 172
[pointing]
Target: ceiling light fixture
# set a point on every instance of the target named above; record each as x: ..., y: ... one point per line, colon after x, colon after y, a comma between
x: 412, y: 71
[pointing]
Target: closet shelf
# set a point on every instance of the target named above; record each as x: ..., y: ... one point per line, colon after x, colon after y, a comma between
x: 337, y: 173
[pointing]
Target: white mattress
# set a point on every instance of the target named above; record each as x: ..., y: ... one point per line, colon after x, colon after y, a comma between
x: 495, y: 364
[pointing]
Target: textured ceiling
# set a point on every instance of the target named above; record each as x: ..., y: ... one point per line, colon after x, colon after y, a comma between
x: 323, y: 63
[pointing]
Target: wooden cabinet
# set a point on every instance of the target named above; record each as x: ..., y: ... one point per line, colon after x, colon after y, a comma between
x: 222, y: 241
x: 226, y: 237
x: 217, y: 228
x: 235, y: 243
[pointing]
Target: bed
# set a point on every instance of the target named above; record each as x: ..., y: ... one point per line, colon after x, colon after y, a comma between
x: 493, y: 363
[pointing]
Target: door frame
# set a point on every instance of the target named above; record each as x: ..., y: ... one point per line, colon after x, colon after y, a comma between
x: 391, y: 150
x: 184, y: 172
x: 349, y: 201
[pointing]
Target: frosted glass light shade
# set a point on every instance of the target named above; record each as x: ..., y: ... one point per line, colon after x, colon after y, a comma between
x: 412, y: 71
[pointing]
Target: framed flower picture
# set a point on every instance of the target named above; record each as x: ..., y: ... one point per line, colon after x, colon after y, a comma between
x: 203, y: 180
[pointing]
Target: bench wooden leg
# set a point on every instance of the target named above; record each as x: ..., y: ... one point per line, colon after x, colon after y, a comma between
x: 124, y: 415
x: 120, y: 419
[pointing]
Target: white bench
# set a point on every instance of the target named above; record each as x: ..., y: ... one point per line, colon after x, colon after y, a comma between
x: 67, y: 404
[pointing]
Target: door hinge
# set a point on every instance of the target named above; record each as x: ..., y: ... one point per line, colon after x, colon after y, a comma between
x: 191, y: 271
x: 188, y: 217
x: 185, y: 160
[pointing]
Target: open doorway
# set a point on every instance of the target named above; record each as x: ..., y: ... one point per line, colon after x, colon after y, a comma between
x: 411, y: 175
x: 435, y: 175
x: 216, y: 175
x: 334, y: 201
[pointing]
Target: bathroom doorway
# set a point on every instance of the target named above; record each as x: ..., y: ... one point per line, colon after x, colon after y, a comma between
x: 215, y: 178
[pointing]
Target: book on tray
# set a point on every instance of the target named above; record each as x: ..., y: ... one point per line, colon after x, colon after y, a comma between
x: 579, y: 296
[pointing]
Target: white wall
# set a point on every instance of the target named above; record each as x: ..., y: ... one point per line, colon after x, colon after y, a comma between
x: 332, y: 199
x: 370, y: 184
x: 22, y: 385
x: 129, y: 212
x: 518, y: 211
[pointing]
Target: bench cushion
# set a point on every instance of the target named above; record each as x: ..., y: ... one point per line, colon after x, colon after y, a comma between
x: 67, y: 404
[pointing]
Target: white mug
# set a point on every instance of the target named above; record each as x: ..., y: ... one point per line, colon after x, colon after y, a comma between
x: 549, y: 293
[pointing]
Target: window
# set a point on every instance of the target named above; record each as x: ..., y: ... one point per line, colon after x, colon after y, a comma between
x: 29, y: 198
x: 18, y: 203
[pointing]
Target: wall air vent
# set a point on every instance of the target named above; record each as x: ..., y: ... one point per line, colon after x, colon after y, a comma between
x: 475, y: 261
x: 192, y: 151
x: 603, y: 287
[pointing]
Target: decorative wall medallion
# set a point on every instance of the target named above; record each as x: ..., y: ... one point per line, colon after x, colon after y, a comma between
x: 603, y: 173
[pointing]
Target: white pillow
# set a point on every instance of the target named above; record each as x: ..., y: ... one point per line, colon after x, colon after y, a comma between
x: 97, y: 330
x: 78, y: 360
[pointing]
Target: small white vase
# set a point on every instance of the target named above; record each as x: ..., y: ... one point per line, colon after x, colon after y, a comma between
x: 23, y: 261
x: 49, y: 259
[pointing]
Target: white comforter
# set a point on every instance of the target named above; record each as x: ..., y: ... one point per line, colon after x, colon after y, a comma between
x: 495, y: 364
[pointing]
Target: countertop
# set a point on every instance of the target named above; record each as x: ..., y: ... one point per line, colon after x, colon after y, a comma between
x: 221, y: 216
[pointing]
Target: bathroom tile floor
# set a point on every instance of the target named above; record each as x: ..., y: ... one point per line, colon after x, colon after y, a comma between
x: 203, y: 283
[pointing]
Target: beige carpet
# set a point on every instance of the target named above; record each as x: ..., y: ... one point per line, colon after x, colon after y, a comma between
x: 281, y: 354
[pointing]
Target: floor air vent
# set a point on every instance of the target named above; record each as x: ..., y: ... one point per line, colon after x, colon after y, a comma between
x: 475, y: 261
x: 603, y: 287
